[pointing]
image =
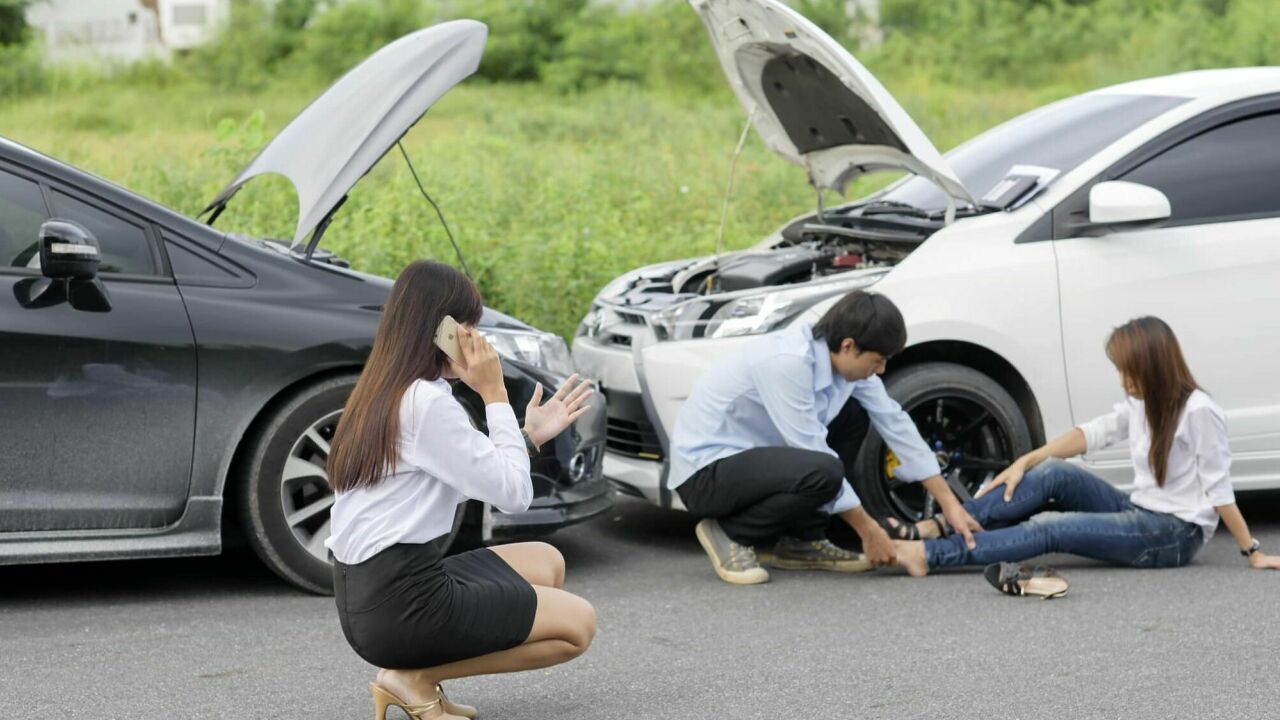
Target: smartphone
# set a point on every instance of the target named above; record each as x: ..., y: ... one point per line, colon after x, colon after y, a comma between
x: 447, y: 340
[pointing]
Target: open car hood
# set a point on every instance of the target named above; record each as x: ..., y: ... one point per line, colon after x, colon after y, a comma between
x: 336, y: 139
x: 812, y: 102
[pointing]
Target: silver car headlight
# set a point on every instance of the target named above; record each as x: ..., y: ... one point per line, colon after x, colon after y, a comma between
x: 733, y: 314
x: 540, y: 349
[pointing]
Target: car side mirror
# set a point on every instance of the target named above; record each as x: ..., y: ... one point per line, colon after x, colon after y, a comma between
x: 1117, y: 202
x: 70, y: 255
x: 68, y: 250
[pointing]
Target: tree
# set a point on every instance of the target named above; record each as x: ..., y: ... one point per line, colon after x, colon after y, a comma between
x: 13, y: 22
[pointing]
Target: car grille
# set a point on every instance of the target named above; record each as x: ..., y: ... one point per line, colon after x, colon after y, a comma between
x: 625, y: 318
x: 630, y: 318
x: 628, y: 430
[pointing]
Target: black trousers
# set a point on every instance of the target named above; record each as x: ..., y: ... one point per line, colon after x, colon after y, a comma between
x: 761, y: 494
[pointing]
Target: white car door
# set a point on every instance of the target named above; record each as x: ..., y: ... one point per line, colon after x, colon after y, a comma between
x: 1212, y: 271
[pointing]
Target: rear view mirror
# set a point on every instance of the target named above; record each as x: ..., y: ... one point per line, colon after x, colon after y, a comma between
x: 68, y: 250
x: 1117, y: 202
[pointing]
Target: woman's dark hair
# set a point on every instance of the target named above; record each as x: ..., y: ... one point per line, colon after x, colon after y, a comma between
x: 872, y: 321
x: 363, y: 449
x: 1147, y: 354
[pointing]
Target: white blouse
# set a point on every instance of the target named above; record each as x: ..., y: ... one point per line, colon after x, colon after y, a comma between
x: 1198, y: 478
x: 442, y: 460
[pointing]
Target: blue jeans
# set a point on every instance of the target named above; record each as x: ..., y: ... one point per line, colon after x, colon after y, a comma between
x: 1062, y: 508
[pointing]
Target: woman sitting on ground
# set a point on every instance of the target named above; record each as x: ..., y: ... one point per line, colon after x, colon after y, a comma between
x: 404, y: 456
x: 1177, y: 437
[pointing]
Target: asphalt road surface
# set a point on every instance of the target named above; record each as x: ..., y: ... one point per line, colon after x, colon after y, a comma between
x: 222, y: 638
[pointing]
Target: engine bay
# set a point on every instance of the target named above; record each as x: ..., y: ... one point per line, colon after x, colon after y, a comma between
x: 810, y: 250
x: 855, y: 238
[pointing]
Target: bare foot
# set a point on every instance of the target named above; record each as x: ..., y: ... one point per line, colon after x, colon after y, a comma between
x: 911, y: 557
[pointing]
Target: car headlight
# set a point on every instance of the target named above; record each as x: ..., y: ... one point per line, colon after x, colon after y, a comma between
x: 539, y: 349
x: 732, y: 314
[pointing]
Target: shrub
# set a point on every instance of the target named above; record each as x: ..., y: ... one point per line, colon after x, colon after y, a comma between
x: 20, y: 70
x: 663, y: 45
x: 524, y: 35
x: 13, y: 22
x: 340, y: 36
x: 250, y: 49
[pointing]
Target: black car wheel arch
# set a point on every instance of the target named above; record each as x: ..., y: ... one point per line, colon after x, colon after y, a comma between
x: 973, y: 424
x: 261, y: 511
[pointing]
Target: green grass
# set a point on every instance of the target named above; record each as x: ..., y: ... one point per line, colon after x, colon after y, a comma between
x: 550, y: 196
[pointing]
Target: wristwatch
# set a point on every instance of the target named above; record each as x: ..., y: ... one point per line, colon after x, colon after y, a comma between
x: 1252, y: 548
x: 528, y: 443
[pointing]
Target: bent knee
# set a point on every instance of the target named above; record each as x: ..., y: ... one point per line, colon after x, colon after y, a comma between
x: 827, y: 474
x: 585, y: 630
x: 581, y: 630
x: 549, y: 565
x: 1046, y: 468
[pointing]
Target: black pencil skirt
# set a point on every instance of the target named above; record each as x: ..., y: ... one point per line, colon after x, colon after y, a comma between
x: 408, y: 607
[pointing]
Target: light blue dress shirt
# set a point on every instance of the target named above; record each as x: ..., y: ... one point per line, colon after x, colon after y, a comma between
x: 780, y: 391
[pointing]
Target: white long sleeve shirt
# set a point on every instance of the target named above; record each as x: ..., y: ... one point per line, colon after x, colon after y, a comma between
x: 1198, y: 478
x: 442, y: 460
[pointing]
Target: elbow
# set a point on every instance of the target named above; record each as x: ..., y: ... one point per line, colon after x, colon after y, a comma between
x: 522, y: 498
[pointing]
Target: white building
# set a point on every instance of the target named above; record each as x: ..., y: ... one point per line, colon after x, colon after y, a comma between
x: 123, y: 31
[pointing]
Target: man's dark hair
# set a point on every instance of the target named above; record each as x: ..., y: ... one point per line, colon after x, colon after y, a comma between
x: 873, y: 322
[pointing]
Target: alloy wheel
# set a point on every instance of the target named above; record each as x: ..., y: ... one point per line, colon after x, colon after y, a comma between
x: 971, y: 445
x: 304, y: 486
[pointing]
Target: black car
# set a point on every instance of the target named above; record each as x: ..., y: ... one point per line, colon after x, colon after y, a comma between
x: 161, y: 380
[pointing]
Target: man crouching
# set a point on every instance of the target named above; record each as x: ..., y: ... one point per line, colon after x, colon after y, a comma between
x: 750, y: 452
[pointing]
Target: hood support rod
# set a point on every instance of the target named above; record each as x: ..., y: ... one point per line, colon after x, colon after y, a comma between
x: 728, y: 190
x: 324, y: 225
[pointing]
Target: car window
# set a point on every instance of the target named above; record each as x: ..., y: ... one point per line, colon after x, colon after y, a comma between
x: 188, y: 267
x: 1231, y: 171
x: 22, y: 210
x: 1060, y: 136
x: 125, y: 248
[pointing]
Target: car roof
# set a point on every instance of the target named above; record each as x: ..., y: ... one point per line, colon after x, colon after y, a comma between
x: 1222, y: 85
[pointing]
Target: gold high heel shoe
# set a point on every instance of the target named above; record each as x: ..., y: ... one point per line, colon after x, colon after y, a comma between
x: 432, y: 710
x: 452, y: 708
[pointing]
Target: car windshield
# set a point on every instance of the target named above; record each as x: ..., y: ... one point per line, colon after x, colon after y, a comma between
x: 1059, y: 136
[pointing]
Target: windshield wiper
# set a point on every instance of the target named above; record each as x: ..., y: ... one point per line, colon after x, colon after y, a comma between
x: 893, y: 207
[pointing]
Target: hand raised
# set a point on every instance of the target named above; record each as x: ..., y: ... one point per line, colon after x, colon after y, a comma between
x: 544, y: 421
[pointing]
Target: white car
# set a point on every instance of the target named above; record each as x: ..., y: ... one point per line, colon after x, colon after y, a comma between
x: 1012, y: 258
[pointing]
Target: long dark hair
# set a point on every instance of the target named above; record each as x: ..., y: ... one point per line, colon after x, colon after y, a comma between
x: 1147, y: 354
x: 363, y: 449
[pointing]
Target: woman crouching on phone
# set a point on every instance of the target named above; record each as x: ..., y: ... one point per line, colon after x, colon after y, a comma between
x: 404, y: 456
x: 1177, y: 437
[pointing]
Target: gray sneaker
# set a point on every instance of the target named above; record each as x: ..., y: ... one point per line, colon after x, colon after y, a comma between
x: 734, y: 563
x: 794, y: 554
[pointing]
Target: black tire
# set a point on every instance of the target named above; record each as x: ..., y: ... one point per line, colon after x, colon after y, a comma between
x: 968, y: 401
x: 261, y: 496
